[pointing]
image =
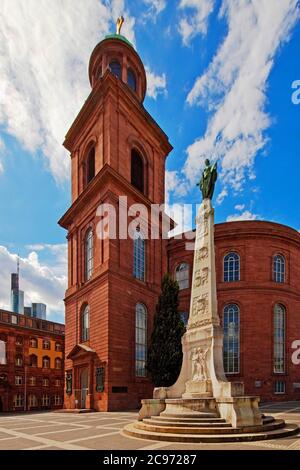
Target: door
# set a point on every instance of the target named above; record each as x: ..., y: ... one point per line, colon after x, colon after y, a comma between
x: 84, y: 377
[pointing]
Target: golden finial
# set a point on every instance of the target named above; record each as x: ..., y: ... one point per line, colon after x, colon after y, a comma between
x: 120, y: 22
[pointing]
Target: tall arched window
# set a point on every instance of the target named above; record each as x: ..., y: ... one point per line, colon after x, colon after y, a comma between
x: 19, y: 360
x: 140, y: 340
x: 137, y: 171
x: 58, y: 363
x: 115, y: 68
x: 231, y: 267
x: 2, y: 352
x: 46, y: 362
x: 89, y: 254
x: 231, y: 345
x: 183, y: 275
x: 131, y: 79
x: 279, y: 268
x: 33, y: 360
x: 139, y: 256
x: 279, y: 339
x: 90, y: 165
x: 85, y: 324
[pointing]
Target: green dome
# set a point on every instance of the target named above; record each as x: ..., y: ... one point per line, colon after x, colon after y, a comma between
x: 120, y: 37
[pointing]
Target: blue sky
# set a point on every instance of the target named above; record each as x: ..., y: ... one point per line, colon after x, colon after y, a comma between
x: 220, y: 76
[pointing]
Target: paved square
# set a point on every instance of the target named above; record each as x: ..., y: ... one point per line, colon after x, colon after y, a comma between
x: 103, y: 431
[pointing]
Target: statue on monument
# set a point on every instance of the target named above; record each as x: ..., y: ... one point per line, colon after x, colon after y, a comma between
x: 120, y: 22
x: 208, y: 180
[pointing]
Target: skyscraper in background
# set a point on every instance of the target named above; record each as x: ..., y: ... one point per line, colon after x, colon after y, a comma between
x: 17, y: 295
x: 39, y: 310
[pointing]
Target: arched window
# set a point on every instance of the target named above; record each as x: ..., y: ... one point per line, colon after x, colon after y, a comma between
x: 137, y: 171
x: 89, y: 254
x: 182, y: 275
x: 115, y: 68
x: 279, y: 339
x: 231, y: 345
x: 131, y: 79
x: 58, y: 363
x: 139, y: 256
x: 45, y: 400
x: 19, y: 361
x: 85, y: 321
x: 58, y: 347
x: 140, y: 340
x: 279, y: 268
x: 18, y: 401
x: 32, y: 401
x: 90, y: 165
x: 19, y: 341
x: 33, y: 360
x: 184, y: 318
x: 46, y: 362
x: 231, y: 267
x: 45, y: 382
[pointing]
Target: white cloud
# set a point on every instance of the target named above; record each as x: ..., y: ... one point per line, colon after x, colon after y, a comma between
x: 246, y: 215
x: 155, y: 7
x: 234, y: 87
x: 239, y: 207
x: 221, y: 196
x: 196, y: 21
x: 42, y: 281
x: 156, y: 84
x: 45, y: 49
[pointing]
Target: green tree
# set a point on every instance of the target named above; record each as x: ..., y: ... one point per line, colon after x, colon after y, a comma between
x: 165, y: 352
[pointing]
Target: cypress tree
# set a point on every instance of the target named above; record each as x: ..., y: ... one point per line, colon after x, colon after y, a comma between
x: 165, y: 352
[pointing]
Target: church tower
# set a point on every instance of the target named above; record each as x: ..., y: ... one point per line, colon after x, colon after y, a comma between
x: 117, y: 150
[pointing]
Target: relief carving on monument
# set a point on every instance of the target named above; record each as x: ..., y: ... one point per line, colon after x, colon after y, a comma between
x: 202, y: 253
x: 201, y: 277
x: 199, y: 372
x: 200, y: 305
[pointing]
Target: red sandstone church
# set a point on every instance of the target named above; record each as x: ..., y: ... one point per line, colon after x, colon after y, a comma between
x: 117, y: 149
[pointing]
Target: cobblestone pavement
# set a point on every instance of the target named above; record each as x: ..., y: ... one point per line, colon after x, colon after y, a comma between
x: 57, y: 431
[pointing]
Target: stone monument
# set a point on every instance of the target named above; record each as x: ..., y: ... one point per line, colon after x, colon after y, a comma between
x: 202, y: 394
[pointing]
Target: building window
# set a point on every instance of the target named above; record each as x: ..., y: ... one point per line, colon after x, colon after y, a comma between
x: 2, y: 353
x: 279, y: 268
x: 58, y: 363
x: 231, y: 345
x: 45, y: 382
x: 57, y: 400
x: 14, y: 319
x: 131, y: 79
x: 32, y: 381
x: 46, y: 362
x: 18, y: 380
x: 231, y: 267
x: 33, y: 343
x: 45, y: 400
x: 85, y: 322
x: 89, y: 254
x: 46, y: 344
x: 137, y: 171
x: 18, y: 401
x: 32, y: 401
x: 57, y: 383
x: 19, y: 341
x: 140, y: 340
x: 279, y: 339
x: 19, y: 361
x: 184, y: 318
x: 33, y: 360
x: 279, y: 387
x: 115, y: 68
x: 139, y: 256
x: 90, y: 165
x: 182, y: 275
x: 58, y: 347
